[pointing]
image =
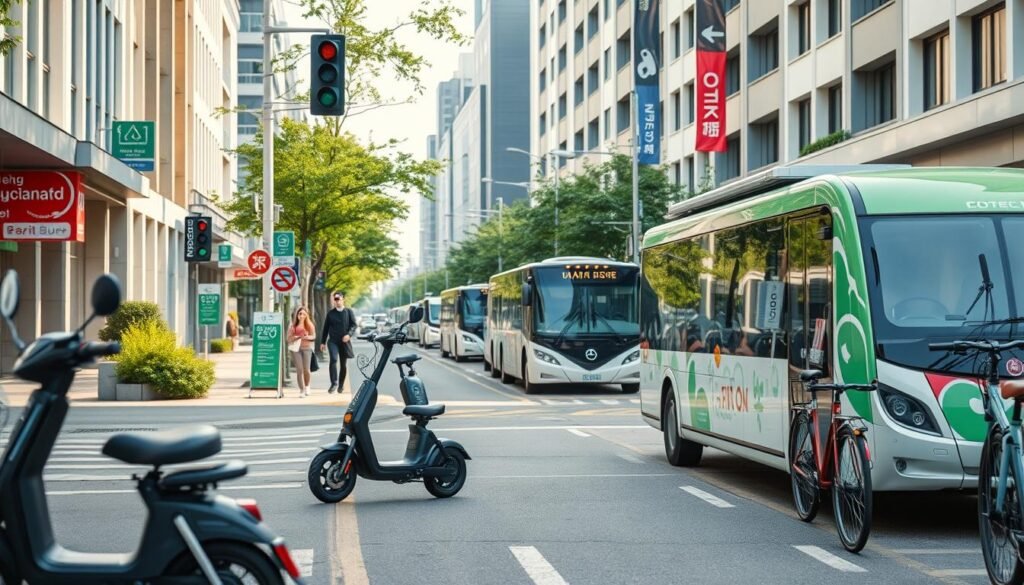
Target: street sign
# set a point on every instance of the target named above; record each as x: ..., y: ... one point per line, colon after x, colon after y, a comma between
x: 259, y: 262
x: 224, y: 256
x: 265, y: 371
x: 134, y: 143
x: 42, y: 206
x: 284, y: 243
x: 284, y: 261
x: 209, y: 304
x: 283, y: 279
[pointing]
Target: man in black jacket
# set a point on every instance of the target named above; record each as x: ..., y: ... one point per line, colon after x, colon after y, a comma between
x: 339, y: 327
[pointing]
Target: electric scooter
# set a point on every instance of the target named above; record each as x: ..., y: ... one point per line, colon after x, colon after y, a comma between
x: 192, y: 536
x: 439, y: 463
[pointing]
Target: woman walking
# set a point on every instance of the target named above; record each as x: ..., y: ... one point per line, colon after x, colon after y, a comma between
x: 301, y: 336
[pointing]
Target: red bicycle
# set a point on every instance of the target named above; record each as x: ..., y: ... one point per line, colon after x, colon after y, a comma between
x: 844, y: 466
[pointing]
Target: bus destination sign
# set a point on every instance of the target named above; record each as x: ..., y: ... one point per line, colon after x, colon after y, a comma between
x: 593, y: 272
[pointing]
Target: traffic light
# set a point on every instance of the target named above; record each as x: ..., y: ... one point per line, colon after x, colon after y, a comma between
x: 198, y: 238
x: 327, y: 75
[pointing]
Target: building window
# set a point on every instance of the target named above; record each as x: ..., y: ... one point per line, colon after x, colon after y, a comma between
x: 677, y: 173
x: 677, y: 42
x: 764, y: 54
x: 543, y: 79
x: 688, y: 17
x: 251, y: 16
x: 803, y: 19
x: 874, y: 101
x: 990, y: 48
x: 860, y: 8
x: 250, y: 63
x: 732, y: 75
x: 803, y: 109
x: 593, y: 134
x: 578, y: 39
x: 607, y: 123
x: 561, y: 161
x: 728, y: 162
x: 578, y: 141
x: 677, y: 111
x: 607, y: 10
x: 249, y: 117
x: 764, y: 144
x: 691, y: 99
x: 563, y: 106
x: 622, y: 49
x: 562, y: 58
x: 593, y: 23
x: 561, y: 11
x: 690, y: 186
x: 593, y: 78
x: 835, y: 17
x: 577, y: 91
x: 607, y: 64
x: 622, y: 115
x: 936, y: 70
x: 543, y: 123
x: 543, y: 38
x: 835, y: 108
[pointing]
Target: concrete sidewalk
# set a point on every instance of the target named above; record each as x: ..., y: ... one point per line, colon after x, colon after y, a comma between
x: 230, y: 387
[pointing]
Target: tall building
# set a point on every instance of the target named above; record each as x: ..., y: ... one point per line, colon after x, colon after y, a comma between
x: 79, y: 68
x: 926, y: 82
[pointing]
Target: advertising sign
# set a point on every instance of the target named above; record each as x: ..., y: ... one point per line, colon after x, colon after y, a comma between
x: 209, y: 304
x: 647, y: 49
x: 266, y: 351
x: 42, y: 206
x: 224, y: 256
x: 134, y: 143
x: 710, y: 76
x: 244, y: 274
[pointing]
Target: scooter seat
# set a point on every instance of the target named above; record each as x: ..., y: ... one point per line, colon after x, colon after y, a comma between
x: 404, y: 360
x: 428, y: 410
x: 179, y: 445
x: 204, y: 475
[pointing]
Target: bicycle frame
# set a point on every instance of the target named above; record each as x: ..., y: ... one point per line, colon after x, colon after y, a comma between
x: 825, y: 459
x: 1011, y: 443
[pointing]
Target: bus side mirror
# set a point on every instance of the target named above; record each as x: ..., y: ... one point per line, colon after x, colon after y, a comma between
x: 527, y: 295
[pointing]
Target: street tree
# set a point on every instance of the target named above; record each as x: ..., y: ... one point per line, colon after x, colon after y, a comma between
x: 8, y: 42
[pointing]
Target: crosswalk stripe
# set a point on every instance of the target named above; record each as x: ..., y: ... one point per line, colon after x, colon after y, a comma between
x: 204, y: 461
x: 578, y: 432
x: 271, y: 486
x: 536, y: 566
x: 819, y: 554
x: 123, y: 476
x: 244, y: 454
x: 610, y: 402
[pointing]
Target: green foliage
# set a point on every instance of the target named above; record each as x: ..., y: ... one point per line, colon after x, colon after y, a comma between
x: 150, y: 355
x: 825, y: 142
x: 128, y: 314
x: 8, y: 42
x: 221, y: 345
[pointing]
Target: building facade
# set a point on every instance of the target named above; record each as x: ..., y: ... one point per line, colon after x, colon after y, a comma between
x: 80, y: 67
x: 924, y: 82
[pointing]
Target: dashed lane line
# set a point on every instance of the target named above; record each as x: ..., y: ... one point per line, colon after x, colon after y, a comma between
x: 630, y: 458
x: 269, y: 486
x: 958, y: 573
x: 536, y: 566
x: 819, y: 554
x: 709, y: 498
x: 578, y: 432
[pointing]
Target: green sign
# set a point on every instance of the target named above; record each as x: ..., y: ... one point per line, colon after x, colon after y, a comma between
x: 308, y: 250
x: 266, y: 351
x: 224, y: 255
x: 284, y: 244
x: 209, y: 304
x: 134, y: 143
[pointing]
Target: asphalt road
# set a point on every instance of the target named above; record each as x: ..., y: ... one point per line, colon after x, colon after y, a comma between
x: 567, y: 487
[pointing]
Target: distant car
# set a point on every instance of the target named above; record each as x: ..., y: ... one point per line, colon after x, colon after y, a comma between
x: 367, y: 325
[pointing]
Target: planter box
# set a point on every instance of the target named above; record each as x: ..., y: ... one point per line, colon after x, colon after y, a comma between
x: 107, y: 381
x: 137, y: 392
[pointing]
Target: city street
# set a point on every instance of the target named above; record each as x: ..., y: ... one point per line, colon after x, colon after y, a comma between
x: 568, y: 487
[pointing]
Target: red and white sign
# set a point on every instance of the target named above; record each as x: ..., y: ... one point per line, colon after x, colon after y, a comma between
x: 710, y: 77
x: 259, y: 262
x: 40, y: 206
x: 283, y: 279
x: 244, y: 274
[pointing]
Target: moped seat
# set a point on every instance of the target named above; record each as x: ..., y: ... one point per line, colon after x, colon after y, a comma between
x: 179, y: 445
x: 428, y: 410
x: 404, y: 360
x: 1011, y: 388
x: 204, y: 475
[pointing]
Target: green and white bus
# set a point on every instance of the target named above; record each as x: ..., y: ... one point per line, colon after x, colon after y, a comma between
x: 850, y: 270
x: 463, y: 312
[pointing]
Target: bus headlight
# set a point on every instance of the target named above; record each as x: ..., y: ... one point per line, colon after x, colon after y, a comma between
x: 631, y: 357
x: 546, y: 357
x: 467, y: 339
x: 907, y: 411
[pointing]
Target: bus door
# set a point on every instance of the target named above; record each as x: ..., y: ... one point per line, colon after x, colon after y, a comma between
x: 809, y: 292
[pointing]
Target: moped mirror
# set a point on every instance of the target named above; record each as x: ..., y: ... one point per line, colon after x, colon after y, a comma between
x: 416, y: 315
x: 10, y: 295
x: 106, y: 295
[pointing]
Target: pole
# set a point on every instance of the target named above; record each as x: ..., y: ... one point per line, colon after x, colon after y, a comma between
x: 268, y: 147
x: 554, y: 166
x: 636, y: 180
x: 501, y: 231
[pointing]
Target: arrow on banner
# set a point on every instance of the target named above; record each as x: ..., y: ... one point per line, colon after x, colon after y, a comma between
x: 711, y: 34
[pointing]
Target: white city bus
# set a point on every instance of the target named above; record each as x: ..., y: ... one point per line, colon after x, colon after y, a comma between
x: 564, y: 320
x: 429, y: 332
x: 463, y: 311
x: 397, y: 316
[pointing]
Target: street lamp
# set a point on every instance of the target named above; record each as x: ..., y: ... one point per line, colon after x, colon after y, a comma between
x: 554, y: 154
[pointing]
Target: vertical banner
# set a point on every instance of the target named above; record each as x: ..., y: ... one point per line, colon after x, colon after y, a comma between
x: 710, y: 76
x: 265, y: 373
x: 646, y: 62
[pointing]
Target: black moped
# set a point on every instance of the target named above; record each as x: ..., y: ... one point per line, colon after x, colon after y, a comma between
x: 439, y: 463
x: 192, y: 536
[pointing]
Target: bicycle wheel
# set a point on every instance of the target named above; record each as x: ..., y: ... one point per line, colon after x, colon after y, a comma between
x: 803, y: 468
x: 851, y: 490
x: 997, y: 543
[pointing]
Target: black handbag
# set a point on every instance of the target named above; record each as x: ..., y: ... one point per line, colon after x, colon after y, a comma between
x: 313, y: 364
x: 349, y: 352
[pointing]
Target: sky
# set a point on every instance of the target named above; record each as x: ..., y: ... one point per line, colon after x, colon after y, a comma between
x: 410, y: 123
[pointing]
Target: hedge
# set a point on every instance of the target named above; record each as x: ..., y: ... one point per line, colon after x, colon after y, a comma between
x: 825, y: 142
x: 128, y: 314
x: 224, y: 345
x: 150, y: 355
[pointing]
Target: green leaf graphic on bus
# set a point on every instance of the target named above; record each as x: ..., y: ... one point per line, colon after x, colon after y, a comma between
x: 853, y: 362
x: 961, y: 403
x: 700, y: 417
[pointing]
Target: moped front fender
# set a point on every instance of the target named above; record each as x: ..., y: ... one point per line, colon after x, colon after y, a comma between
x: 456, y: 445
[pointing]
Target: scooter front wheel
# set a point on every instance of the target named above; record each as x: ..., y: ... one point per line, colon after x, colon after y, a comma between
x: 327, y: 480
x: 449, y: 484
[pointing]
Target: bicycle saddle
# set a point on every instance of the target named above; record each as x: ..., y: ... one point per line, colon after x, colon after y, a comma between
x: 810, y: 375
x: 1012, y: 388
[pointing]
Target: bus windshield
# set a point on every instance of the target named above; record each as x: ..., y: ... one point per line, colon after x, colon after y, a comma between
x: 942, y: 278
x: 595, y: 302
x: 473, y: 310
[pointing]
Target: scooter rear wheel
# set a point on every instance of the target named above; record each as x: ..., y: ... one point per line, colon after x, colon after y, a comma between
x: 448, y: 486
x: 236, y: 564
x: 327, y: 481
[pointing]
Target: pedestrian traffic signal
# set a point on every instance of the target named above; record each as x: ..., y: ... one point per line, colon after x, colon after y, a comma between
x: 327, y: 75
x: 198, y: 238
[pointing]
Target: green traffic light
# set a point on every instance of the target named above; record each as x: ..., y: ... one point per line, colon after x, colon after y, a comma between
x: 202, y: 251
x: 327, y: 98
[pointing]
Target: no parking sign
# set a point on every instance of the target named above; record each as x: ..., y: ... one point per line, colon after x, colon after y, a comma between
x: 283, y: 279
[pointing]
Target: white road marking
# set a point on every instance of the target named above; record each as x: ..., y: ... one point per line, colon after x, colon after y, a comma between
x: 577, y: 476
x: 303, y: 557
x: 958, y: 573
x: 709, y: 498
x: 536, y: 566
x: 819, y: 554
x: 244, y: 453
x: 578, y: 432
x: 124, y: 476
x: 610, y: 402
x: 937, y: 551
x: 550, y: 402
x: 634, y: 401
x: 630, y: 458
x: 523, y: 428
x: 205, y: 461
x: 269, y: 486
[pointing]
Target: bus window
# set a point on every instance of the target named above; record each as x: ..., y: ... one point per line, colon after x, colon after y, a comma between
x: 809, y: 285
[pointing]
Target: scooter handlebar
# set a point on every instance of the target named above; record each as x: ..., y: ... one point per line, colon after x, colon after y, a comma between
x: 97, y: 349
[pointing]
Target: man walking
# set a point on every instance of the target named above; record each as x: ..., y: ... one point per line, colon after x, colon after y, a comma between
x: 339, y: 326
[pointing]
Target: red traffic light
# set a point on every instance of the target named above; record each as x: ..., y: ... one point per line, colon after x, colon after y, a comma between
x: 202, y: 225
x: 327, y: 50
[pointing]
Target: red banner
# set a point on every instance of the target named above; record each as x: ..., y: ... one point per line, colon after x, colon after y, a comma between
x: 711, y: 101
x: 41, y: 206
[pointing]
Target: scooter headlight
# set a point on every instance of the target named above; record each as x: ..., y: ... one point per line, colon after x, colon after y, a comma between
x: 546, y: 357
x: 631, y: 357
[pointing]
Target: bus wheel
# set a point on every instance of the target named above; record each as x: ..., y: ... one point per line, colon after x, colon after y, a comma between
x: 487, y: 365
x: 528, y: 387
x: 458, y: 358
x: 444, y: 352
x: 678, y: 451
x: 630, y: 388
x: 505, y: 378
x: 495, y: 372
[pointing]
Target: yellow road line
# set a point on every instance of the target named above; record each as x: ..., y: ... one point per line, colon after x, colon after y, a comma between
x: 347, y: 564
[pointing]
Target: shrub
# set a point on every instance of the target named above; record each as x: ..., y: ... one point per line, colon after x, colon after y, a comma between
x: 128, y: 314
x: 825, y: 142
x: 221, y: 345
x: 150, y: 355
